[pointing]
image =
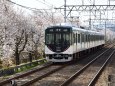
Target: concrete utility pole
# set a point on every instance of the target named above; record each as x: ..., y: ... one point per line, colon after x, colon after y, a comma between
x: 65, y: 11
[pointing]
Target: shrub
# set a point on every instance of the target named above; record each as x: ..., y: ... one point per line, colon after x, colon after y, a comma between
x: 7, y: 62
x: 0, y: 63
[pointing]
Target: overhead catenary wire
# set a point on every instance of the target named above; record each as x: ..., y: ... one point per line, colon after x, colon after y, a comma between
x: 32, y: 9
x: 46, y: 3
x: 26, y: 7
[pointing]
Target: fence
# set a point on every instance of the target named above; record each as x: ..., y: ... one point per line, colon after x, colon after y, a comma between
x: 13, y: 70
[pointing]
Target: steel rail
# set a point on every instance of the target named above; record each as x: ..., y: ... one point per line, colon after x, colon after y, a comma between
x: 24, y: 74
x: 28, y: 83
x: 69, y: 80
x: 93, y: 81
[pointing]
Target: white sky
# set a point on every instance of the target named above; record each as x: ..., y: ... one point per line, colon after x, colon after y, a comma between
x: 57, y: 3
x: 40, y: 3
x: 47, y: 4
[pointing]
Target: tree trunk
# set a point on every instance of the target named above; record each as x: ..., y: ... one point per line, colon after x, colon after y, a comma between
x: 36, y: 54
x: 30, y: 56
x: 17, y: 57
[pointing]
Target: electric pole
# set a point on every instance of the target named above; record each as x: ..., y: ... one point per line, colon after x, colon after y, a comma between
x: 65, y: 11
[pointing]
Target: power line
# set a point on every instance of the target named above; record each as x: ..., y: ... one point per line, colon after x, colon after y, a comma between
x: 46, y: 3
x: 29, y: 8
x: 32, y: 9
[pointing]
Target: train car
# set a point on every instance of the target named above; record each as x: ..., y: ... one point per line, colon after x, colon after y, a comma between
x: 66, y: 42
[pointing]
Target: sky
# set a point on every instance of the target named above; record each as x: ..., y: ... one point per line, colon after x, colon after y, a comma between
x: 48, y: 4
x: 40, y: 4
x: 57, y: 3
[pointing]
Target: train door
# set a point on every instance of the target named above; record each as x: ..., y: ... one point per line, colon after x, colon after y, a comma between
x: 76, y: 41
x: 79, y: 42
x: 89, y: 40
x: 85, y: 40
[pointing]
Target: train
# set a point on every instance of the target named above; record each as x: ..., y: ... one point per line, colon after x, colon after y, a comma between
x: 67, y: 42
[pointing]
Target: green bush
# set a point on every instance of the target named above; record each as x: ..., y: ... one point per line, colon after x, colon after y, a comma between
x: 0, y: 63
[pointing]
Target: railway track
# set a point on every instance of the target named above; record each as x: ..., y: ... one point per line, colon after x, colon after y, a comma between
x: 44, y: 74
x: 39, y: 74
x: 76, y: 67
x: 91, y: 74
x: 31, y: 77
x: 7, y: 81
x: 93, y: 81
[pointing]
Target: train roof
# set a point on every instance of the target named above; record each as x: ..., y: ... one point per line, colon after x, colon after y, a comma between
x: 76, y: 28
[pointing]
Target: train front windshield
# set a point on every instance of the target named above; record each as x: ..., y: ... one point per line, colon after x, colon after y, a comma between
x: 57, y: 39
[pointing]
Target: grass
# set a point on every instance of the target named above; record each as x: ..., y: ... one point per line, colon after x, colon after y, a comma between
x: 23, y: 67
x: 27, y: 67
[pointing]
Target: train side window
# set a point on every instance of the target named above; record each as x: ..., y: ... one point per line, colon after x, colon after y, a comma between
x: 98, y: 37
x: 78, y: 38
x: 94, y: 38
x: 103, y: 37
x: 86, y: 38
x: 74, y: 38
x: 89, y: 38
x: 82, y: 37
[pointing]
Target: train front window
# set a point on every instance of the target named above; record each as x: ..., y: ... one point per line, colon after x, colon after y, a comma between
x: 49, y: 38
x: 66, y: 38
x: 58, y: 38
x: 61, y: 38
